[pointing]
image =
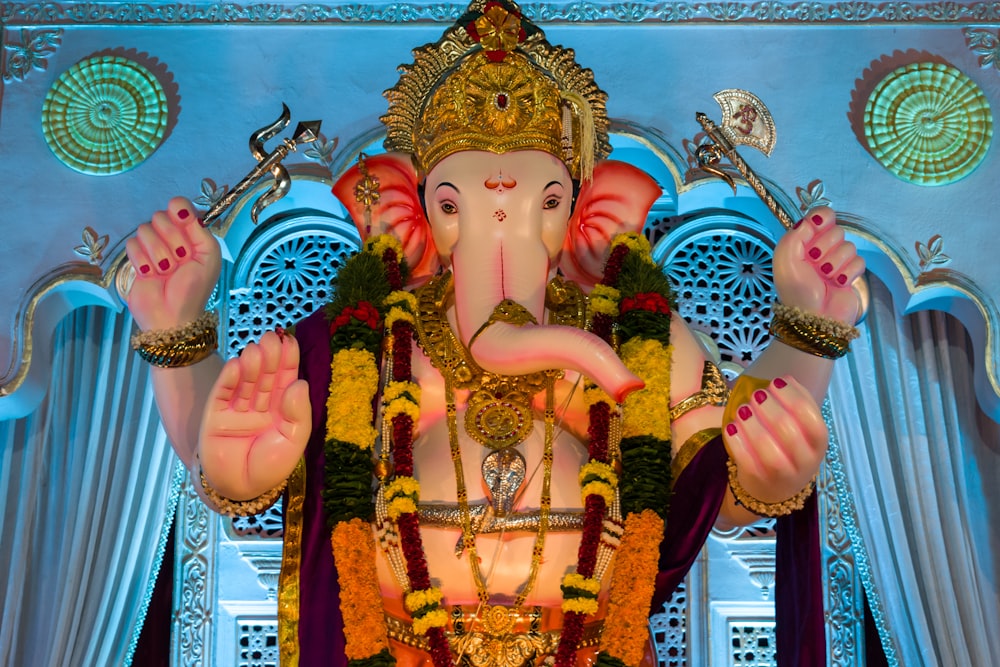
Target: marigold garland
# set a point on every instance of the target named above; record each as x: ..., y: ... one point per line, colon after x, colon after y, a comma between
x: 353, y: 384
x: 626, y: 627
x: 360, y: 597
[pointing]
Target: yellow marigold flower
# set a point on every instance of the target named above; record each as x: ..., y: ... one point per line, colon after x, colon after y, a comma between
x: 595, y: 394
x: 580, y: 606
x: 402, y: 486
x: 576, y: 580
x: 599, y: 488
x: 396, y: 314
x: 647, y: 411
x: 377, y: 245
x: 435, y: 619
x: 415, y: 600
x: 604, y: 299
x: 360, y: 598
x: 636, y: 243
x: 598, y: 469
x: 397, y: 507
x: 396, y: 389
x: 402, y: 406
x: 403, y: 299
x: 353, y: 383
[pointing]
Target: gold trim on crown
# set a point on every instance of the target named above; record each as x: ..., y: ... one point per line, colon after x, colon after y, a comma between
x: 457, y: 96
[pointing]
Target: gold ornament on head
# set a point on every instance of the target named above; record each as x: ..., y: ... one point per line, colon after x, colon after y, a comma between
x: 492, y: 83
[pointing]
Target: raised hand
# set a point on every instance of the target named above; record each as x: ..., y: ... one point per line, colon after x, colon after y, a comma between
x: 777, y: 440
x: 814, y: 267
x: 257, y: 420
x: 176, y: 264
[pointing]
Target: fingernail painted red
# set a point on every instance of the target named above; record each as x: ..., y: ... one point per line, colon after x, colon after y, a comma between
x: 182, y: 252
x: 144, y: 268
x: 815, y: 253
x: 183, y: 214
x: 164, y: 264
x: 760, y: 396
x: 779, y: 383
x: 826, y: 268
x: 744, y: 413
x: 731, y: 429
x: 841, y: 279
x: 817, y: 219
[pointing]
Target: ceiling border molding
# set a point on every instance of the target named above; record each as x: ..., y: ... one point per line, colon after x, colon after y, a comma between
x: 767, y: 11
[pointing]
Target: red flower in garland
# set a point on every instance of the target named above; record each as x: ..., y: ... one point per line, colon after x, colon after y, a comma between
x: 364, y: 313
x: 651, y: 302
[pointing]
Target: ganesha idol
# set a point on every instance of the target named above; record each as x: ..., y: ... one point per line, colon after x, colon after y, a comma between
x: 498, y: 444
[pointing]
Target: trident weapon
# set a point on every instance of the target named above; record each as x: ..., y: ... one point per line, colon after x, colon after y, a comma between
x: 305, y: 132
x: 746, y: 121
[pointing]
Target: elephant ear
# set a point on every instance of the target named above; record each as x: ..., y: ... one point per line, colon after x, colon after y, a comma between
x: 398, y: 210
x: 616, y: 201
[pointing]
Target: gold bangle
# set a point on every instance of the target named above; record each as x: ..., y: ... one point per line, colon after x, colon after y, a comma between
x: 508, y: 311
x: 759, y: 507
x: 713, y: 392
x: 241, y: 507
x: 181, y: 346
x: 816, y: 335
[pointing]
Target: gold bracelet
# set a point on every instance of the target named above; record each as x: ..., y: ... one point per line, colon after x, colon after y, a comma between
x: 819, y: 336
x: 508, y: 311
x: 241, y: 507
x: 759, y: 507
x: 181, y: 346
x: 713, y: 392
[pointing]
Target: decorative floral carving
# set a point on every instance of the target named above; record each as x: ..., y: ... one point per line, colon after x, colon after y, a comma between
x: 104, y: 115
x: 930, y: 254
x: 811, y: 196
x: 928, y: 123
x: 210, y: 193
x: 93, y: 246
x: 322, y: 150
x: 985, y: 44
x: 30, y: 53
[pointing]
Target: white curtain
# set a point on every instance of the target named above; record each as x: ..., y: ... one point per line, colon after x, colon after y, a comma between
x: 923, y: 463
x: 88, y: 483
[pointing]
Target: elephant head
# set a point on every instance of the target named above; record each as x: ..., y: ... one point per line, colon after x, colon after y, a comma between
x: 504, y: 224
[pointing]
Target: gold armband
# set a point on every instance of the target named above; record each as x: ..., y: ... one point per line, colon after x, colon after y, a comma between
x: 241, y: 507
x: 508, y: 311
x: 713, y: 392
x: 761, y: 508
x: 819, y: 336
x: 181, y: 346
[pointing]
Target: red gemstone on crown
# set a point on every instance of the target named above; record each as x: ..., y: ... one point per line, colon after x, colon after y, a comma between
x: 502, y: 101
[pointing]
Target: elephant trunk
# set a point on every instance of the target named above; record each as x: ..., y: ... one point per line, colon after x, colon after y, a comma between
x: 485, y: 276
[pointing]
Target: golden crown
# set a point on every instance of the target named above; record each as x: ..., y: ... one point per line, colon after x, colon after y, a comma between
x: 493, y: 83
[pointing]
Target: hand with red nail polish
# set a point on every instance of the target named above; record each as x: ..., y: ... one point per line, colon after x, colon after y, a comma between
x: 815, y: 266
x: 177, y: 264
x: 777, y: 441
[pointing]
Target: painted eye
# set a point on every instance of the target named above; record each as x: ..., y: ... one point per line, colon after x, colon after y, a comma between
x: 448, y: 208
x: 551, y: 202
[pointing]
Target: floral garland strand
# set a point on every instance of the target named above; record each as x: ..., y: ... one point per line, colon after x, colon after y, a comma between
x: 402, y: 407
x: 362, y: 286
x: 644, y: 329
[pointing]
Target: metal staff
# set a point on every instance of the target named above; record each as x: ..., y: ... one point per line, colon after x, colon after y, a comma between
x: 305, y: 132
x: 746, y: 121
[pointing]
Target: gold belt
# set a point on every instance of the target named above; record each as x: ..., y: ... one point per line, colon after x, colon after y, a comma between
x: 498, y: 637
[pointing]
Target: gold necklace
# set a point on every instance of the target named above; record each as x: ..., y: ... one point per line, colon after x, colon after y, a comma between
x: 500, y: 410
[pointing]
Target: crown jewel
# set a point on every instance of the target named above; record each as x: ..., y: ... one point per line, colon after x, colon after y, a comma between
x: 493, y: 83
